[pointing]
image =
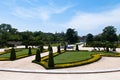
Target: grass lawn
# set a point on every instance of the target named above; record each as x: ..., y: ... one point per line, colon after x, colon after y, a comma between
x: 68, y: 57
x: 20, y: 53
x: 74, y: 56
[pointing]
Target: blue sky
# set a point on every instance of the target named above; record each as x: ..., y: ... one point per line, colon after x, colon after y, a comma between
x: 85, y: 16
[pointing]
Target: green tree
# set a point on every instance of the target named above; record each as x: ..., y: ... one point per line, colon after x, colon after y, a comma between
x: 38, y: 56
x: 109, y: 36
x: 12, y: 54
x: 89, y: 39
x: 27, y: 36
x: 71, y: 36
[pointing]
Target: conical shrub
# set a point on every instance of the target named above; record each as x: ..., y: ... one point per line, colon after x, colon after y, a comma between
x: 51, y: 60
x: 58, y: 49
x: 29, y: 51
x: 65, y: 47
x: 41, y: 48
x: 12, y: 54
x: 77, y: 49
x: 38, y: 56
x: 50, y: 48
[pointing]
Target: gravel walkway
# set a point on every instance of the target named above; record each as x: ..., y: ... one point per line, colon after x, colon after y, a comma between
x: 106, y: 63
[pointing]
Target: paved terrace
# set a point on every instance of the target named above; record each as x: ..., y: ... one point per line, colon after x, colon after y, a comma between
x: 108, y: 68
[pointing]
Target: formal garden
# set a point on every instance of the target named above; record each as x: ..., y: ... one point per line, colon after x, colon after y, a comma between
x: 103, y: 44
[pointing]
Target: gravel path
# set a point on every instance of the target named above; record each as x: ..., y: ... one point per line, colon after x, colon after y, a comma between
x: 106, y: 63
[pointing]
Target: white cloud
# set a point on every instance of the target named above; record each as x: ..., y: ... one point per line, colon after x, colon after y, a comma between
x: 44, y: 12
x: 89, y: 21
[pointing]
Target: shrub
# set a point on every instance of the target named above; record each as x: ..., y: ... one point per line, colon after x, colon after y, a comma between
x: 38, y: 56
x: 51, y: 60
x: 50, y: 48
x: 41, y: 48
x: 29, y: 52
x: 12, y: 54
x: 58, y: 49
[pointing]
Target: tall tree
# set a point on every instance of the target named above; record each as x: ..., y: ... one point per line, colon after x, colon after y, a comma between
x: 109, y: 34
x: 27, y: 36
x: 71, y: 36
x: 110, y: 37
x: 89, y: 39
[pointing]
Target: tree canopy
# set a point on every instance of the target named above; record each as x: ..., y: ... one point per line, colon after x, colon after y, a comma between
x: 107, y: 39
x: 71, y: 36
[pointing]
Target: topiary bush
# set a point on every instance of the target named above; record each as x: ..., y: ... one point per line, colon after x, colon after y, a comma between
x: 50, y: 48
x: 12, y: 54
x: 65, y: 47
x: 29, y: 51
x: 58, y: 49
x: 38, y: 56
x: 77, y: 49
x: 41, y: 48
x: 50, y: 60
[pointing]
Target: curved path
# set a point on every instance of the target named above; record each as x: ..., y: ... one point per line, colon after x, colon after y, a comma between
x: 35, y: 72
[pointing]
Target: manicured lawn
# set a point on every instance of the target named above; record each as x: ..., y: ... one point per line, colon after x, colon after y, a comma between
x: 68, y: 57
x: 74, y: 56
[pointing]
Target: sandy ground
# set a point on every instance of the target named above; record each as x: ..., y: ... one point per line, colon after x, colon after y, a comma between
x: 106, y: 63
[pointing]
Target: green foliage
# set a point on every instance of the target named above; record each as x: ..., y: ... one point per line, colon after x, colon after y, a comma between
x: 89, y: 39
x: 51, y: 60
x: 71, y: 36
x: 58, y: 49
x: 29, y: 51
x: 109, y: 34
x: 38, y: 56
x: 50, y: 48
x: 41, y: 48
x: 12, y: 54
